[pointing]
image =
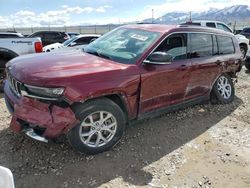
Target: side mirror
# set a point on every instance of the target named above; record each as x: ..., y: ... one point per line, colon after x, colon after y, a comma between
x: 159, y: 58
x: 72, y: 44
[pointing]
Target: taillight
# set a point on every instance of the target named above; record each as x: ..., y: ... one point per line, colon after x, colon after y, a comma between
x: 38, y: 47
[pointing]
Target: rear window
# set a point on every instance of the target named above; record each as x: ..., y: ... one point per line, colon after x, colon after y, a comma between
x: 201, y: 45
x: 226, y: 45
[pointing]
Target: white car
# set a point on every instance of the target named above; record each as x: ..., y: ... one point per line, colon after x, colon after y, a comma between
x: 78, y: 41
x: 242, y: 40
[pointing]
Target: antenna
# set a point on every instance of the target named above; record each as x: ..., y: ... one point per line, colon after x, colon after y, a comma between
x: 152, y: 15
x: 190, y: 16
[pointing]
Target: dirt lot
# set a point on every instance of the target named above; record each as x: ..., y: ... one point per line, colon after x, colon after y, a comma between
x: 203, y: 146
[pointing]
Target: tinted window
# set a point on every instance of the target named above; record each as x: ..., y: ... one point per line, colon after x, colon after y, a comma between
x: 223, y: 27
x: 210, y: 24
x: 84, y: 40
x: 226, y: 45
x: 50, y: 35
x: 175, y: 45
x: 201, y: 45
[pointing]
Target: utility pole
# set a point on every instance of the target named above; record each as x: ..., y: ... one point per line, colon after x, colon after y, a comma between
x: 152, y: 15
x: 190, y: 16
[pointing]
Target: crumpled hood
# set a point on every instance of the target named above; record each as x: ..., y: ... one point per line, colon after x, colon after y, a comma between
x: 55, y: 67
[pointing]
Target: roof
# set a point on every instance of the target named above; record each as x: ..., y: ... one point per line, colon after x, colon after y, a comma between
x: 87, y: 35
x: 176, y: 28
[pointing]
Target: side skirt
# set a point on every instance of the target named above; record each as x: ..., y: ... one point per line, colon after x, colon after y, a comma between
x: 172, y: 108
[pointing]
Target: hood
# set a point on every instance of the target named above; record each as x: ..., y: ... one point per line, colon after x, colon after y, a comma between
x: 57, y: 67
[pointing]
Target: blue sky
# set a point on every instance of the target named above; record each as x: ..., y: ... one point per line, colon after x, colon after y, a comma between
x: 76, y: 12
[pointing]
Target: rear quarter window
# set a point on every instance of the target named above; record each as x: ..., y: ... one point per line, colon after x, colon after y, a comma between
x: 226, y: 45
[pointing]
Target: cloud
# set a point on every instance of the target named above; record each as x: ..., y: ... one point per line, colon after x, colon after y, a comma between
x: 103, y: 8
x: 24, y: 18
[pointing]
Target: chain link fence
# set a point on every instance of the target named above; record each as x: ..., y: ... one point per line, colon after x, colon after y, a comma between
x: 92, y: 29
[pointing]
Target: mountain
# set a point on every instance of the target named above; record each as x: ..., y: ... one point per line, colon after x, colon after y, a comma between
x: 238, y: 13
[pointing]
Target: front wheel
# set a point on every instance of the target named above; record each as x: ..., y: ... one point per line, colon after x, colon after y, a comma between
x: 102, y: 123
x: 223, y: 91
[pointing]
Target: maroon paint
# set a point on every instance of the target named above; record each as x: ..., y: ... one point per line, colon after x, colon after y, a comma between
x: 143, y: 87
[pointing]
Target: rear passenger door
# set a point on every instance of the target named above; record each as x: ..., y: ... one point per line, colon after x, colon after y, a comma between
x: 203, y: 53
x: 227, y: 52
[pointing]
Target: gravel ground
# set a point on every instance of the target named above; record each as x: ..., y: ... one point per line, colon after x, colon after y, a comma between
x: 202, y: 146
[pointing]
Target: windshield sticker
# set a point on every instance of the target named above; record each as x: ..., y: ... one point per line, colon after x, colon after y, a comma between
x: 139, y: 37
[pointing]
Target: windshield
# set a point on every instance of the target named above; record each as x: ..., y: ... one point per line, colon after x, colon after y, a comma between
x: 67, y: 42
x: 123, y: 45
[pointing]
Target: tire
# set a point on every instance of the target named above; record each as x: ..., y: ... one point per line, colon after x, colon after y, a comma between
x: 223, y: 91
x: 115, y: 122
x: 243, y: 50
x: 247, y: 64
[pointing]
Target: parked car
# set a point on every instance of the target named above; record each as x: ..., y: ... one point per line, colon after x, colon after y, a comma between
x: 50, y: 37
x: 246, y: 32
x: 78, y: 41
x: 10, y: 35
x: 242, y: 40
x: 6, y: 178
x: 13, y: 47
x: 131, y: 73
x: 72, y: 34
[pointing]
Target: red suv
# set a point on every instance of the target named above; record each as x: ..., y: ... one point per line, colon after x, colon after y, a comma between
x: 130, y: 73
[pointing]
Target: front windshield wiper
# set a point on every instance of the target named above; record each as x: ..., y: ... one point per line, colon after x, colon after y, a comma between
x: 97, y: 54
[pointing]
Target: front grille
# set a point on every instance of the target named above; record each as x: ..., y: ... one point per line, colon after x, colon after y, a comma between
x: 14, y: 85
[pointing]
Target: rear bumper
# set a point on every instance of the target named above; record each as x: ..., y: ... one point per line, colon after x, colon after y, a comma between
x: 48, y: 120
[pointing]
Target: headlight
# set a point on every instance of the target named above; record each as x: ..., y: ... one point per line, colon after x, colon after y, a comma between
x: 44, y: 92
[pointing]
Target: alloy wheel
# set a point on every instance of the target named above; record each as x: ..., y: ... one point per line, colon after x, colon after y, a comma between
x: 224, y: 87
x: 98, y: 128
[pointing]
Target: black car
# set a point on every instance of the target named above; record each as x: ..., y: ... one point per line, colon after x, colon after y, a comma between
x: 50, y: 37
x: 246, y: 32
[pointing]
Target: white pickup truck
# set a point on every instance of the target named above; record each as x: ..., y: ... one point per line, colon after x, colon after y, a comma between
x: 242, y: 40
x: 13, y: 47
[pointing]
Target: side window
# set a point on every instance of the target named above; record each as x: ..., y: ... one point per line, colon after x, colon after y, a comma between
x: 201, y: 45
x: 211, y: 24
x: 226, y: 45
x: 83, y: 40
x: 175, y: 45
x: 223, y: 27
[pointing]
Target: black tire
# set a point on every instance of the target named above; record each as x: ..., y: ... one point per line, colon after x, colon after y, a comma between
x: 247, y: 64
x: 84, y: 111
x: 217, y: 96
x: 243, y: 50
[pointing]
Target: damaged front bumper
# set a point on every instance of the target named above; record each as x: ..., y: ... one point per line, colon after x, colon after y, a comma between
x: 38, y: 119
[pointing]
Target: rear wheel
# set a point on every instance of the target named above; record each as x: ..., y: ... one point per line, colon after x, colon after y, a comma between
x: 243, y: 50
x: 223, y: 90
x: 101, y: 127
x: 247, y: 63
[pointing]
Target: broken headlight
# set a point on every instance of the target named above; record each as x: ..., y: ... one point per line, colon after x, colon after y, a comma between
x: 43, y: 92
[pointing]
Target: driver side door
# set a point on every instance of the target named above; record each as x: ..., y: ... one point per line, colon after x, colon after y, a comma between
x: 165, y: 84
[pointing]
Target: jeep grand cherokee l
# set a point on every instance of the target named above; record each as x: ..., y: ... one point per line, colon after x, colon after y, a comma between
x: 130, y: 73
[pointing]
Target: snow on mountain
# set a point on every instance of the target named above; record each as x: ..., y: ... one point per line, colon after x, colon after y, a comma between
x: 229, y: 14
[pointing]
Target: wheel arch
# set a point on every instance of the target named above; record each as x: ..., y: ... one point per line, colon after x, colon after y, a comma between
x: 117, y: 98
x: 6, y: 55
